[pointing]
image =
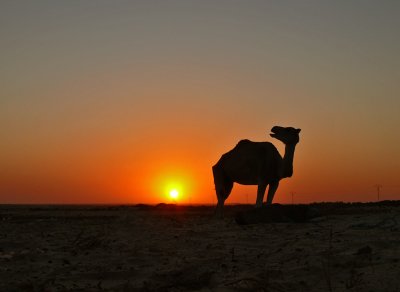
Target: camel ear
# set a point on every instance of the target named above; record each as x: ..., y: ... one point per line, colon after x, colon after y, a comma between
x: 298, y: 130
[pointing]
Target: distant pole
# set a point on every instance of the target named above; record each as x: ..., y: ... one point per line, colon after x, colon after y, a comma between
x: 378, y: 190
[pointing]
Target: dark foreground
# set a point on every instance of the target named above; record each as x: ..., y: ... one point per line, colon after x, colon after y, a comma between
x: 351, y: 247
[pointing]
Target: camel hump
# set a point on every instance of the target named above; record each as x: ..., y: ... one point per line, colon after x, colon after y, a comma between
x: 243, y: 142
x: 242, y: 145
x: 248, y: 144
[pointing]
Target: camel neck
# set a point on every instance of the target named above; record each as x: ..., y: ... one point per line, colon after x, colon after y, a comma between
x: 288, y: 160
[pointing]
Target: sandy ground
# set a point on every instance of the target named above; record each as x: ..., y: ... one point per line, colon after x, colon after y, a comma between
x: 172, y: 248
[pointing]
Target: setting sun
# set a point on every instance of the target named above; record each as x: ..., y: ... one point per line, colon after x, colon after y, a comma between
x: 172, y: 185
x: 174, y: 194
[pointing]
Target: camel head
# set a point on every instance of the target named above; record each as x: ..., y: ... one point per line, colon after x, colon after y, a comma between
x: 289, y: 135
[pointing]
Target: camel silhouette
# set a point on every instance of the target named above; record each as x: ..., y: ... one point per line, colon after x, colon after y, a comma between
x: 255, y: 163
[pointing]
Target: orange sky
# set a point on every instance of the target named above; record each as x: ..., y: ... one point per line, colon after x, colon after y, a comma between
x: 113, y: 103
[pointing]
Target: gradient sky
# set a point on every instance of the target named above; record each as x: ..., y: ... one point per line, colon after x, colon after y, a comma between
x: 112, y: 101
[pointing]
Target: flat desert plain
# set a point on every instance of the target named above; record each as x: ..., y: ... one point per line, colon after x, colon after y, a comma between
x: 350, y: 247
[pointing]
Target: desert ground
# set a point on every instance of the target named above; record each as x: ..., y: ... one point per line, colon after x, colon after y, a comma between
x: 349, y: 247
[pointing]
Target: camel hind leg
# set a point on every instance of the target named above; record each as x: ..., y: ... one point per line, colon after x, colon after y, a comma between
x: 223, y: 191
x: 223, y: 188
x: 218, y: 175
x: 273, y: 186
x: 260, y: 194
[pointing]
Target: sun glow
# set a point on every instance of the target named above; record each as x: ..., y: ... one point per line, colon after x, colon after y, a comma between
x: 174, y: 194
x: 173, y: 186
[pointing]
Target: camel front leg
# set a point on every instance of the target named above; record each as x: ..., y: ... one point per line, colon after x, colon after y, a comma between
x: 260, y: 194
x: 273, y: 186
